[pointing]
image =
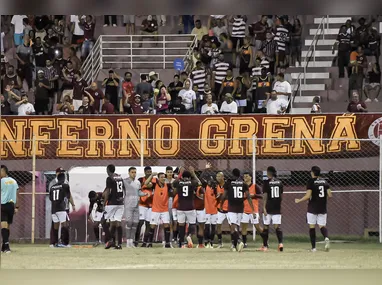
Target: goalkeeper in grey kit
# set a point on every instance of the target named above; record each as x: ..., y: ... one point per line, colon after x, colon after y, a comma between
x: 133, y: 192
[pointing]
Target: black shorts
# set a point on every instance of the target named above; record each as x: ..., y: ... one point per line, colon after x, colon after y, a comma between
x: 7, y: 212
x: 77, y: 40
x: 41, y: 105
x: 281, y: 56
x: 235, y: 41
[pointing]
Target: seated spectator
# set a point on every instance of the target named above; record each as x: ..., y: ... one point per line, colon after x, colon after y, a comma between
x: 111, y: 85
x: 282, y: 87
x: 107, y: 107
x: 275, y: 105
x: 24, y: 107
x: 66, y: 107
x: 209, y: 108
x: 162, y: 99
x: 174, y: 88
x: 229, y: 106
x: 178, y: 107
x: 98, y: 96
x: 146, y: 103
x: 373, y: 83
x: 219, y: 27
x: 5, y: 106
x: 12, y: 95
x: 144, y: 86
x: 188, y: 97
x: 136, y: 106
x: 87, y: 106
x: 79, y: 85
x: 42, y: 94
x: 316, y: 108
x: 356, y: 105
x: 149, y: 28
x: 199, y: 30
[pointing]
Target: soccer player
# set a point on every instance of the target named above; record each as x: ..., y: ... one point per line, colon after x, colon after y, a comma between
x: 58, y: 194
x: 222, y: 210
x: 132, y: 194
x: 211, y: 212
x: 200, y: 214
x: 235, y: 191
x: 160, y: 207
x: 318, y: 191
x: 145, y: 203
x: 96, y: 215
x: 248, y: 215
x: 186, y: 188
x: 9, y: 205
x: 173, y: 203
x: 273, y: 190
x: 114, y: 196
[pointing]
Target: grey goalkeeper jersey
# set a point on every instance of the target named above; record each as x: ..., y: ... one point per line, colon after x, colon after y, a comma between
x: 133, y: 192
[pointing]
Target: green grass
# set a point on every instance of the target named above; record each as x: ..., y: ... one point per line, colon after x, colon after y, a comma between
x: 295, y: 256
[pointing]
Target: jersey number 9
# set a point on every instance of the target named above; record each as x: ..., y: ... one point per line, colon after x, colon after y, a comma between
x: 185, y: 191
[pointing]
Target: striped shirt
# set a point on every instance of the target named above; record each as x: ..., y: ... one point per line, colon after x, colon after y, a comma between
x: 256, y: 71
x: 199, y: 78
x: 269, y: 49
x: 50, y: 73
x: 220, y: 70
x: 281, y: 38
x: 238, y: 28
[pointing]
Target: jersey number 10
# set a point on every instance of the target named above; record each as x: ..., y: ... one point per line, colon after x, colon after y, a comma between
x: 237, y: 192
x: 275, y: 192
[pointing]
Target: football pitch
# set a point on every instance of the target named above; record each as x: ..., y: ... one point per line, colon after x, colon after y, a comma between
x: 295, y: 256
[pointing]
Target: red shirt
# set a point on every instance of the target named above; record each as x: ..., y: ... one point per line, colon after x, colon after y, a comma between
x: 128, y: 86
x: 137, y: 108
x: 78, y: 88
x: 108, y: 107
x: 352, y: 107
x: 97, y: 96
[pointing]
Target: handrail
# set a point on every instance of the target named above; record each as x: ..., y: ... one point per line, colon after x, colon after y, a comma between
x: 312, y: 51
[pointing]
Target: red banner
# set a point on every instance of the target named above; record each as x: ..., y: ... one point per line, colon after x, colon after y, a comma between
x: 108, y: 137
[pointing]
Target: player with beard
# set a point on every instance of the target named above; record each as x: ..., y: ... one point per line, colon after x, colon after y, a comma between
x: 235, y: 191
x: 200, y: 214
x: 114, y: 194
x: 211, y: 211
x: 222, y: 210
x: 96, y: 215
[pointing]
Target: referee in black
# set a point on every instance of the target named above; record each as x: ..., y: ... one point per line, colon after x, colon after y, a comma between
x: 9, y: 206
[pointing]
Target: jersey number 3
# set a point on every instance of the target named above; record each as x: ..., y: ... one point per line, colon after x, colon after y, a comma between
x: 237, y: 192
x: 322, y: 191
x: 119, y: 186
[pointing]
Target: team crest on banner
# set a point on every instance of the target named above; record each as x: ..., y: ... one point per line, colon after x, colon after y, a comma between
x: 375, y: 131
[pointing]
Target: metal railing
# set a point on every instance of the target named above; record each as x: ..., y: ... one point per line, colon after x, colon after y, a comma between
x: 137, y: 51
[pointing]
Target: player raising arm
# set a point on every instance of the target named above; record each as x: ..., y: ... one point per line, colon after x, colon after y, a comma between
x: 96, y: 215
x: 318, y: 191
x: 273, y: 190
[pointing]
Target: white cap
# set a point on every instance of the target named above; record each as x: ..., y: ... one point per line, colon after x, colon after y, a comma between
x: 152, y: 73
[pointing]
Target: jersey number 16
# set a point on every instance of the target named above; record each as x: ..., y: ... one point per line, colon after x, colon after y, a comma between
x: 237, y: 192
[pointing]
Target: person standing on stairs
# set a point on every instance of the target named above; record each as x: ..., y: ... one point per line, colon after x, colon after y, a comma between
x: 343, y: 43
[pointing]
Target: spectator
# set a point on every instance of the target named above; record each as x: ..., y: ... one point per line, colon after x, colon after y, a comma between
x: 111, y: 85
x: 287, y: 75
x: 42, y: 94
x: 79, y: 85
x: 359, y: 64
x: 59, y: 29
x: 27, y: 27
x: 98, y: 96
x: 207, y: 91
x: 24, y: 107
x: 66, y: 48
x: 178, y: 107
x: 161, y: 19
x: 362, y: 32
x: 87, y: 106
x: 88, y: 26
x: 76, y: 22
x: 52, y: 75
x: 107, y: 107
x: 24, y: 55
x: 51, y: 36
x: 146, y: 103
x: 183, y: 77
x: 269, y: 50
x: 209, y: 108
x: 144, y: 87
x: 219, y: 73
x: 188, y: 97
x: 227, y: 85
x: 374, y: 83
x: 68, y: 77
x: 246, y: 58
x: 174, y: 88
x: 219, y: 28
x: 242, y: 85
x: 275, y: 106
x: 11, y: 78
x: 188, y: 23
x: 127, y: 89
x: 66, y: 107
x: 296, y: 43
x: 32, y: 36
x: 129, y: 22
x: 263, y: 85
x: 41, y: 33
x: 374, y: 43
x: 149, y: 28
x: 199, y: 30
x: 239, y: 26
x: 107, y: 20
x: 343, y: 43
x: 40, y: 54
x: 199, y: 76
x: 13, y: 96
x: 229, y: 106
x: 356, y: 105
x: 350, y: 28
x: 18, y: 29
x: 153, y: 77
x: 226, y: 47
x: 162, y: 100
x: 282, y: 42
x: 136, y: 106
x: 259, y: 31
x: 214, y: 53
x: 316, y: 108
x: 5, y: 106
x: 282, y: 87
x: 74, y: 59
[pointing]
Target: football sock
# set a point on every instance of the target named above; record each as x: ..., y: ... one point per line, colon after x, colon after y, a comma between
x: 96, y: 232
x: 167, y: 235
x: 220, y: 238
x: 191, y: 229
x: 138, y: 231
x: 212, y: 235
x: 151, y: 235
x: 182, y: 232
x: 279, y: 234
x: 312, y: 234
x: 200, y: 239
x: 5, y: 235
x: 232, y: 239
x: 55, y: 236
x: 129, y: 232
x: 265, y: 236
x: 119, y: 231
x: 52, y: 234
x: 324, y: 232
x: 65, y: 235
x: 106, y: 230
x: 235, y: 236
x: 175, y: 234
x: 112, y: 232
x: 244, y: 238
x: 207, y: 234
x: 147, y: 230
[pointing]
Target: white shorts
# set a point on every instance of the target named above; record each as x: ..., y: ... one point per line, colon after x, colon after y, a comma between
x: 156, y: 217
x: 211, y: 219
x: 234, y: 218
x: 201, y: 216
x: 275, y: 219
x: 189, y: 216
x: 174, y: 214
x: 319, y: 219
x: 60, y: 217
x: 96, y: 216
x: 114, y: 213
x: 144, y: 214
x: 221, y: 218
x: 241, y: 103
x: 249, y: 218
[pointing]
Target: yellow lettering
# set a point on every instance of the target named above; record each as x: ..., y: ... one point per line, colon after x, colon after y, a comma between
x: 42, y: 136
x: 69, y: 130
x: 344, y: 132
x: 130, y: 136
x: 242, y: 131
x: 212, y: 134
x: 302, y: 130
x: 101, y: 133
x: 167, y: 135
x: 13, y: 139
x: 271, y: 132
